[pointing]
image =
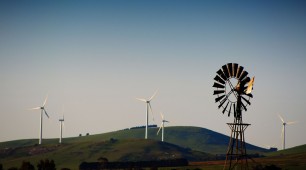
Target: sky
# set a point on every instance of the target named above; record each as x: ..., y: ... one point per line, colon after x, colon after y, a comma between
x: 93, y: 58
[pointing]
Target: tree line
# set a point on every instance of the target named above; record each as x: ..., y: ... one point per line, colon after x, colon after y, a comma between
x: 41, y: 165
x: 104, y: 164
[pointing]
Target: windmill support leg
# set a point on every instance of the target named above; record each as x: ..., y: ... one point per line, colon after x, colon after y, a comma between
x: 236, y: 156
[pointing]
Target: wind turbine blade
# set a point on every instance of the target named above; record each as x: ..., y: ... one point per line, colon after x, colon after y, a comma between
x: 35, y: 108
x: 290, y: 123
x: 143, y: 100
x: 153, y: 95
x: 46, y: 113
x: 159, y: 129
x: 161, y: 115
x: 151, y: 111
x: 281, y: 118
x: 45, y: 101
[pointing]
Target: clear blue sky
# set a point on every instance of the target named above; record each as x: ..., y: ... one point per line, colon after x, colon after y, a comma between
x: 96, y: 57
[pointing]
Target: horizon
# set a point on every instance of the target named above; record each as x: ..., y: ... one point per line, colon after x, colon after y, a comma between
x: 95, y: 58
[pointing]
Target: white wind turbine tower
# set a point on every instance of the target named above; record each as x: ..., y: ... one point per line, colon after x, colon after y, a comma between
x: 162, y: 126
x: 148, y: 105
x: 42, y: 110
x: 61, y: 128
x: 284, y: 129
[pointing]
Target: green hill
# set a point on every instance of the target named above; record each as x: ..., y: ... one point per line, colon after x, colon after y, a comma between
x: 292, y: 158
x: 124, y: 145
x: 72, y: 154
x: 290, y: 151
x: 195, y: 138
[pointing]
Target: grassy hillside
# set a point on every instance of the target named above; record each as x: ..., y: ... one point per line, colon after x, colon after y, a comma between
x: 289, y: 159
x: 72, y: 154
x: 294, y: 150
x: 195, y: 138
x: 123, y: 145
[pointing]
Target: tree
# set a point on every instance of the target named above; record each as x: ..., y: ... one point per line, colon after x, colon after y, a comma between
x: 46, y: 165
x: 12, y: 168
x: 103, y: 160
x: 26, y: 166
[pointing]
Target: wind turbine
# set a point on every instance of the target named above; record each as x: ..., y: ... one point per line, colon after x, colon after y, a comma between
x: 61, y: 128
x: 162, y: 126
x: 284, y: 129
x: 148, y: 105
x: 42, y: 110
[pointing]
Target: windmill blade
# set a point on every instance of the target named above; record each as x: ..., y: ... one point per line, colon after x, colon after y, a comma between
x: 244, y: 82
x: 218, y: 79
x: 243, y: 75
x: 250, y: 86
x: 222, y: 102
x: 46, y: 113
x: 229, y: 112
x: 235, y: 69
x: 230, y: 69
x: 281, y: 118
x: 217, y: 85
x: 250, y: 95
x: 218, y: 92
x: 291, y: 123
x: 220, y: 73
x: 151, y: 111
x: 282, y: 134
x: 35, y: 108
x: 239, y: 71
x: 235, y: 111
x: 143, y: 100
x: 225, y: 71
x: 159, y: 129
x: 225, y: 107
x: 247, y: 101
x: 153, y: 95
x: 244, y: 107
x: 219, y: 98
x: 45, y: 101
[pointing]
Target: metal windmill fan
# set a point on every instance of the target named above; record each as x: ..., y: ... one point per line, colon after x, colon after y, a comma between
x: 233, y: 89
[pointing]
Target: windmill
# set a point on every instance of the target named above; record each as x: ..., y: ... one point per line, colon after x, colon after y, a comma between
x: 162, y: 126
x: 61, y: 128
x: 284, y: 129
x: 42, y: 111
x: 148, y: 105
x: 233, y: 91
